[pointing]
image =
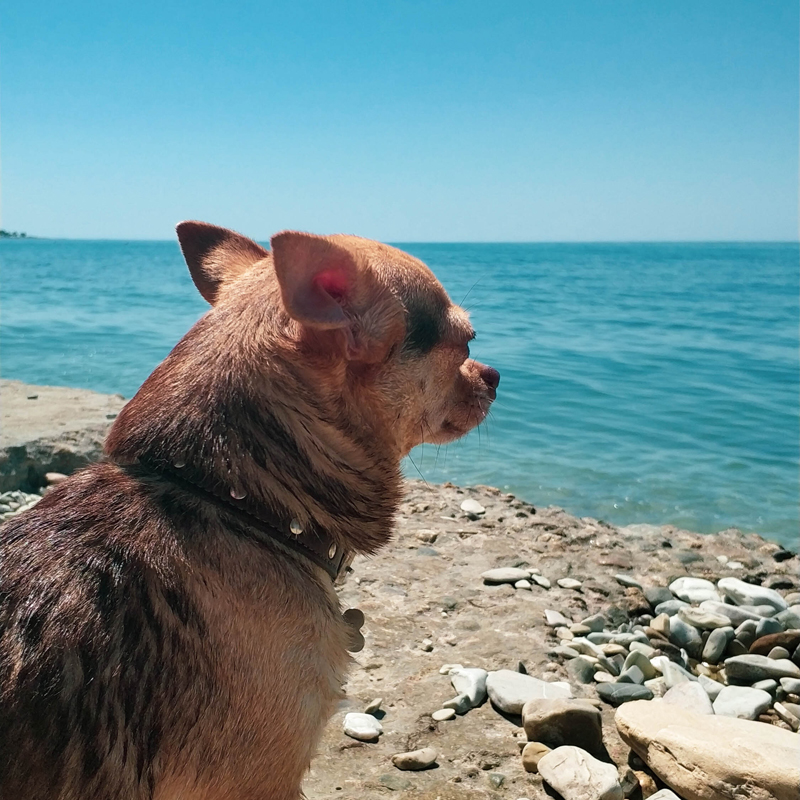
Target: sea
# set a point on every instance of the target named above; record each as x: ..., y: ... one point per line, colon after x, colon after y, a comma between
x: 640, y: 383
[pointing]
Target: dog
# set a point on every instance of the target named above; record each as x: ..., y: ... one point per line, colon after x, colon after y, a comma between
x: 169, y: 626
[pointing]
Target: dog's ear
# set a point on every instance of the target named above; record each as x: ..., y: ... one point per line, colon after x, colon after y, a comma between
x: 216, y: 255
x: 318, y: 278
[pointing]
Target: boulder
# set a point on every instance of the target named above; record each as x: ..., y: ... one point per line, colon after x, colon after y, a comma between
x: 709, y: 757
x: 561, y: 721
x: 509, y: 691
x: 576, y: 775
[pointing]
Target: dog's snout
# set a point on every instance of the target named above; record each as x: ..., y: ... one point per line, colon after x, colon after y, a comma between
x: 491, y: 377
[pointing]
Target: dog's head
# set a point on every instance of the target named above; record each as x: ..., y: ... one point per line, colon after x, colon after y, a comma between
x: 368, y: 323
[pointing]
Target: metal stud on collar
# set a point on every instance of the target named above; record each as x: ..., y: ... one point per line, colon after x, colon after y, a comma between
x: 295, y: 527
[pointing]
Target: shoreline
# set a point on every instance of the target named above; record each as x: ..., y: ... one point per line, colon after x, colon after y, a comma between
x: 60, y: 429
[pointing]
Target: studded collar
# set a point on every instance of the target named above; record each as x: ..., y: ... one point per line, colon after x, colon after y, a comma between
x: 315, y: 544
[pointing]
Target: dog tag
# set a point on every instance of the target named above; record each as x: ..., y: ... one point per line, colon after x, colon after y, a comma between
x: 354, y: 617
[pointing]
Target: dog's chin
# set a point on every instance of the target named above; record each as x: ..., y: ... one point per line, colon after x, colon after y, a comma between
x: 455, y: 427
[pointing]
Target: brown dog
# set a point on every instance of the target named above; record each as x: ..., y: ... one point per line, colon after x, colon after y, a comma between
x: 168, y: 622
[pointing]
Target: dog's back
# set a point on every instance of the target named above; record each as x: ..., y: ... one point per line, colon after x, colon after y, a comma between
x: 136, y: 654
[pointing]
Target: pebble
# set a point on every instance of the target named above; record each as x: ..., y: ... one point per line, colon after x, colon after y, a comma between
x: 509, y: 691
x: 789, y: 618
x: 703, y: 618
x: 504, y: 575
x: 694, y: 590
x: 631, y: 675
x: 768, y: 685
x: 459, y: 704
x: 657, y: 686
x: 558, y: 722
x: 640, y: 660
x: 743, y: 702
x: 790, y: 685
x: 569, y: 583
x: 531, y: 755
x: 669, y: 607
x: 576, y: 775
x: 787, y: 716
x: 751, y: 668
x: 581, y: 669
x: 595, y: 623
x: 555, y: 619
x: 470, y: 681
x: 395, y: 783
x: 541, y: 581
x: 618, y: 693
x: 660, y: 624
x: 374, y: 706
x: 446, y: 669
x: 565, y: 651
x: 640, y: 647
x: 778, y: 652
x: 664, y: 794
x: 443, y: 714
x: 766, y: 626
x: 578, y: 629
x: 363, y: 727
x: 655, y: 595
x: 415, y: 759
x: 788, y: 639
x: 472, y: 508
x: 748, y: 594
x: 686, y: 636
x: 564, y: 633
x: 628, y: 580
x: 735, y: 614
x: 603, y: 677
x: 712, y: 688
x: 716, y: 644
x: 672, y: 673
x: 523, y: 584
x: 691, y: 696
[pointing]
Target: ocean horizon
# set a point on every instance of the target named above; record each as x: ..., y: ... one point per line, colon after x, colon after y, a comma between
x: 641, y: 382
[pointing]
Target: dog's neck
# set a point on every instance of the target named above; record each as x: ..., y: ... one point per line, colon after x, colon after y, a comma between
x: 265, y: 437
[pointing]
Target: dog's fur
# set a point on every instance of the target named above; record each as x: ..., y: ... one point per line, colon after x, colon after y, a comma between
x: 149, y: 647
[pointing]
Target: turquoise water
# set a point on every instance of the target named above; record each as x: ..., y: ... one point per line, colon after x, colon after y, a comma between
x: 640, y: 382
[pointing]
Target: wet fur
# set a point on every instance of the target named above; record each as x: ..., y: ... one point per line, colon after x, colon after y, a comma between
x: 150, y: 646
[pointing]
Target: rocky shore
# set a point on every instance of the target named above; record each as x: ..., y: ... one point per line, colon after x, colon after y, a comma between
x: 519, y: 652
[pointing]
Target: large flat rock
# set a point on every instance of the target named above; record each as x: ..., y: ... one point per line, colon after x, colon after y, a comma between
x: 50, y: 429
x: 706, y: 757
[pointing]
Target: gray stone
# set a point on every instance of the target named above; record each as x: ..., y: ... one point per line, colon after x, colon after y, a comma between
x: 509, y: 691
x: 766, y: 626
x: 569, y: 583
x: 767, y: 685
x: 595, y: 623
x: 470, y: 681
x: 565, y: 651
x: 694, y: 590
x: 716, y: 644
x: 686, y: 636
x: 443, y: 714
x: 673, y: 673
x: 395, y: 783
x: 743, y: 702
x: 578, y: 629
x: 778, y: 652
x: 460, y: 704
x: 374, y: 705
x: 576, y: 775
x: 631, y: 675
x: 617, y: 693
x: 790, y: 619
x: 504, y: 575
x: 657, y: 686
x: 691, y: 696
x: 655, y: 595
x: 791, y: 685
x: 628, y: 580
x: 599, y: 637
x: 748, y: 594
x: 559, y: 722
x: 748, y: 669
x: 523, y: 584
x: 581, y: 670
x: 541, y: 581
x: 787, y: 716
x: 555, y: 619
x: 735, y: 614
x: 746, y: 632
x: 415, y: 759
x: 363, y: 727
x: 642, y: 662
x: 712, y: 688
x: 670, y: 607
x: 703, y: 618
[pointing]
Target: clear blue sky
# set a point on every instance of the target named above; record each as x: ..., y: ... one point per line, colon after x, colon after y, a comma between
x: 403, y: 121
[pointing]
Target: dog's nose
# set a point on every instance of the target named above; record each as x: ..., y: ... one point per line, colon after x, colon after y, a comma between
x: 491, y: 377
